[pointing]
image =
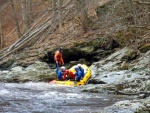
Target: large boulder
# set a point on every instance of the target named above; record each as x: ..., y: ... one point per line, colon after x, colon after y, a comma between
x: 127, y: 106
x: 39, y: 71
x: 142, y: 63
x: 121, y: 67
x: 147, y: 85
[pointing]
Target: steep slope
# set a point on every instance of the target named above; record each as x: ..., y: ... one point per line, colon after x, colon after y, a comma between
x: 107, y: 22
x: 58, y: 38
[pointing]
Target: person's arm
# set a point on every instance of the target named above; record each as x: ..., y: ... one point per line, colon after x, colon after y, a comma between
x: 55, y: 57
x: 62, y: 59
x: 82, y: 72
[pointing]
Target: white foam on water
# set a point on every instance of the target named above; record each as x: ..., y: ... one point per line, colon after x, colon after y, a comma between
x: 3, y: 92
x: 33, y: 85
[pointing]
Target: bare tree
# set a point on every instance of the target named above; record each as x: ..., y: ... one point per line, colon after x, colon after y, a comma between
x: 60, y: 12
x: 57, y: 9
x: 1, y: 35
x: 15, y: 18
x: 81, y: 7
x: 26, y: 9
x: 128, y: 20
x: 29, y: 11
x: 54, y: 7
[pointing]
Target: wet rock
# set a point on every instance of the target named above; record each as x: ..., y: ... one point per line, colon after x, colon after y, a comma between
x: 124, y: 66
x: 142, y: 63
x: 95, y: 81
x: 39, y: 71
x: 145, y: 48
x: 148, y: 85
x: 127, y: 106
x: 108, y: 69
x: 94, y: 88
x: 131, y: 54
x: 17, y: 69
x: 8, y: 63
x: 146, y: 103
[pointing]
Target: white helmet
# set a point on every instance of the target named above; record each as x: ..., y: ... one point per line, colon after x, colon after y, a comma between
x: 63, y: 68
x: 79, y: 65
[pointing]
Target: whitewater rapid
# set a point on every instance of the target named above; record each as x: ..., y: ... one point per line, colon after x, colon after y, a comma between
x: 46, y: 98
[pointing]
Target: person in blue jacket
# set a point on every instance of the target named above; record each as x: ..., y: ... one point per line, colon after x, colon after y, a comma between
x: 79, y: 72
x: 60, y: 74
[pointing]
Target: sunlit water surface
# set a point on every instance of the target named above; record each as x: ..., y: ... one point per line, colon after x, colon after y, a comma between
x: 46, y: 98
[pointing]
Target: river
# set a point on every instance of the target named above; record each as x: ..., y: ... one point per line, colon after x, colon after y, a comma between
x: 46, y: 98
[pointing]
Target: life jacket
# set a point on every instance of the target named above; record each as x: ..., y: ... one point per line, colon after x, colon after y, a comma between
x: 58, y: 57
x: 81, y: 71
x: 69, y: 74
x: 61, y: 75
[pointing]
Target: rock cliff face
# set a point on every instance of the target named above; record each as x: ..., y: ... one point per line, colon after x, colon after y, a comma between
x: 125, y: 72
x: 89, y: 51
x: 122, y: 66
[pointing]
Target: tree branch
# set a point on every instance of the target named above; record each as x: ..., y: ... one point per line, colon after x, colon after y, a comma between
x: 134, y: 26
x: 138, y: 2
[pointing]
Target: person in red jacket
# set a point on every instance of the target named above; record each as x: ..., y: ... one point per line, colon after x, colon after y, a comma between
x: 58, y: 56
x: 69, y: 74
x: 58, y: 59
x: 65, y: 74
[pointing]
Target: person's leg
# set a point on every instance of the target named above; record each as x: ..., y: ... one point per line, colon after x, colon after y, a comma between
x: 79, y: 74
x: 59, y: 75
x: 72, y: 76
x: 64, y: 77
x: 57, y: 68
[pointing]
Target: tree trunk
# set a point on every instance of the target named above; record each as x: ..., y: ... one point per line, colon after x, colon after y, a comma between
x: 81, y: 7
x: 23, y: 13
x: 25, y: 4
x: 28, y: 13
x: 15, y: 18
x: 54, y: 7
x: 1, y: 35
x: 60, y: 12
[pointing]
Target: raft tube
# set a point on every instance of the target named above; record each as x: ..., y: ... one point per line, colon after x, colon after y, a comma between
x: 87, y: 75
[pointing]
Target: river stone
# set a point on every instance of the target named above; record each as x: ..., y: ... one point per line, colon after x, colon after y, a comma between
x: 18, y: 68
x: 148, y: 85
x: 38, y: 66
x: 127, y: 106
x: 145, y: 48
x: 146, y: 103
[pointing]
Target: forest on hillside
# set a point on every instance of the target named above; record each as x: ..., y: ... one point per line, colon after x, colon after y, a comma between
x: 24, y: 23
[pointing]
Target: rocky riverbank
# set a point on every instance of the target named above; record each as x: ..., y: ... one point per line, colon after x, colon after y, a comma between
x: 125, y: 72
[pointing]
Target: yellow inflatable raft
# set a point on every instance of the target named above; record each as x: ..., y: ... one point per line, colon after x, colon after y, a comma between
x: 87, y: 75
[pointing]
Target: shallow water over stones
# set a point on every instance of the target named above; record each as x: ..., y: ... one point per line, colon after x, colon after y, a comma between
x: 45, y: 98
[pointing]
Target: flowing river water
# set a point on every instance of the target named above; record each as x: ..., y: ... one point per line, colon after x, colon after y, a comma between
x: 46, y: 98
